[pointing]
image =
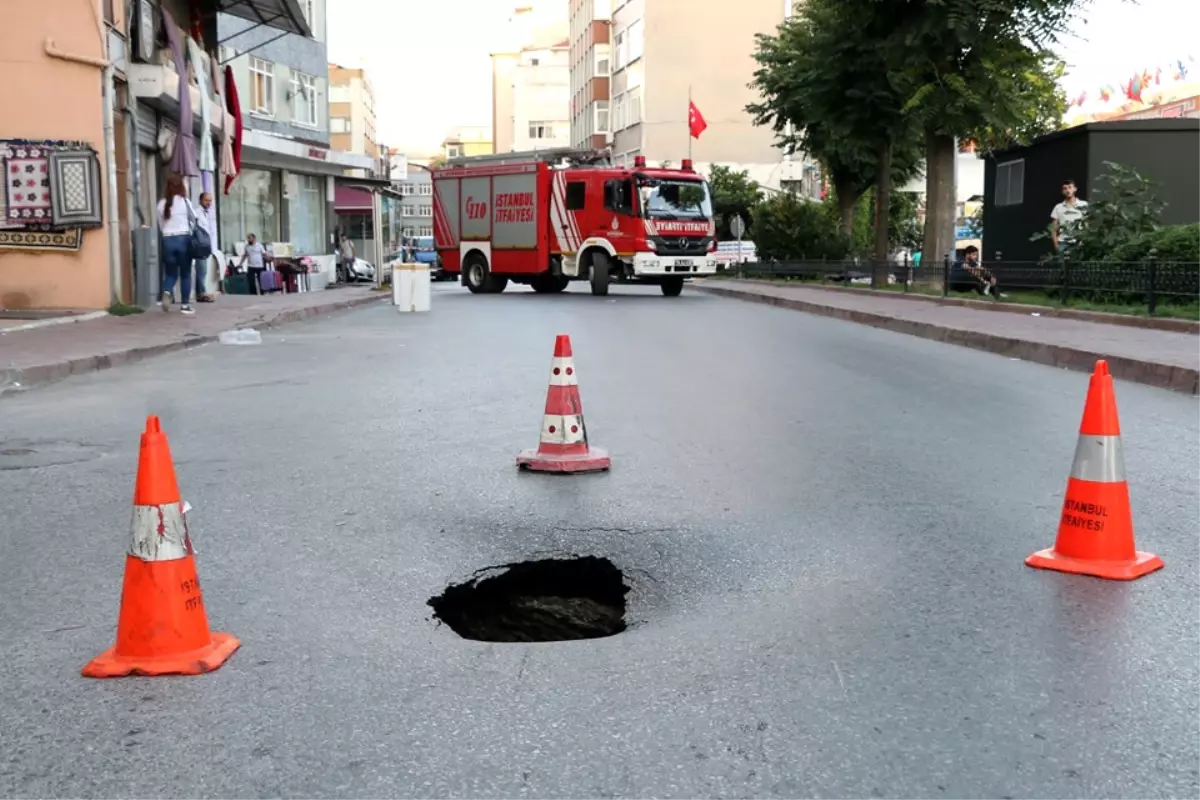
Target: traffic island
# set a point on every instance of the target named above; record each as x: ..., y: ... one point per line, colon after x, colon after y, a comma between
x: 549, y: 600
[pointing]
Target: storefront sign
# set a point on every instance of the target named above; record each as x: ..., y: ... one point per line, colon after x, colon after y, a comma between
x: 315, y: 152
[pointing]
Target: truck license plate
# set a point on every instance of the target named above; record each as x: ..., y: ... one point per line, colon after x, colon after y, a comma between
x: 683, y: 262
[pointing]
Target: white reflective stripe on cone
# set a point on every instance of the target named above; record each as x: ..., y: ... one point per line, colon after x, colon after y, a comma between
x: 567, y: 429
x: 1099, y: 459
x: 562, y: 372
x: 159, y: 533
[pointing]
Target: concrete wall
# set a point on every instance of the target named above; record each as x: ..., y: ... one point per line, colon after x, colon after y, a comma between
x: 30, y: 279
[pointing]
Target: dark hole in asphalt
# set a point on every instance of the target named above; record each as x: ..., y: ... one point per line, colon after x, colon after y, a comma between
x: 551, y: 600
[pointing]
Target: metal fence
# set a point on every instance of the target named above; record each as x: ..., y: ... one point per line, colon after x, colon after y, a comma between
x: 1146, y: 283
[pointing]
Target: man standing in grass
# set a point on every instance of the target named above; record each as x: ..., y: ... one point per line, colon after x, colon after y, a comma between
x: 1066, y: 218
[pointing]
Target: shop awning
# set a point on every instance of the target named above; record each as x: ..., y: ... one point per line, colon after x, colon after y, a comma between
x: 351, y: 199
x: 284, y: 15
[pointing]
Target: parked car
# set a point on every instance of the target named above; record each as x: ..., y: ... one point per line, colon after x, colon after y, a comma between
x: 359, y: 271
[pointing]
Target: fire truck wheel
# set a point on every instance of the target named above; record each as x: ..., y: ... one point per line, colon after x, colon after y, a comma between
x: 479, y: 279
x: 671, y: 287
x: 600, y: 276
x: 549, y: 284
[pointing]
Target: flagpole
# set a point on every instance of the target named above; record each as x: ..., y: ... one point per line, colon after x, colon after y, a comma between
x: 688, y: 121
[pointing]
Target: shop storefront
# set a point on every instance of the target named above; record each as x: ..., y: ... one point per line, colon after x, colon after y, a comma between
x: 285, y: 194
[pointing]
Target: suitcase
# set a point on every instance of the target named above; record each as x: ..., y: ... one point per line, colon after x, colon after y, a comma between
x: 269, y: 281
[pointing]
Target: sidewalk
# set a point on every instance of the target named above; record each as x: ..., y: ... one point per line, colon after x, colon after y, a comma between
x: 1167, y: 359
x: 44, y: 354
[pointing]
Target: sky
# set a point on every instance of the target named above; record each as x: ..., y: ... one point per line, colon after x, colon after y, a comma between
x: 431, y: 67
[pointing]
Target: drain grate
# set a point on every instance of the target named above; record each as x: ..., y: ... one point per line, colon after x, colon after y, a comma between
x: 550, y: 600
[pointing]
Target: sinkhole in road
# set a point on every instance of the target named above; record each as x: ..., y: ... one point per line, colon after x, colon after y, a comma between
x: 549, y: 600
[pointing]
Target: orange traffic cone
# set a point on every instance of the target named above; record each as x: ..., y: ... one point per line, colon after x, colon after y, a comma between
x: 162, y: 628
x: 563, y: 446
x: 1095, y: 533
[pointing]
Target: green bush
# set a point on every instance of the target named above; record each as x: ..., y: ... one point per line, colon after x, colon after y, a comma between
x: 1174, y: 243
x: 790, y: 228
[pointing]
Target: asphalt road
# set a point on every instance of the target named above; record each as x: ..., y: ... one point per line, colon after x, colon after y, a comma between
x: 823, y: 526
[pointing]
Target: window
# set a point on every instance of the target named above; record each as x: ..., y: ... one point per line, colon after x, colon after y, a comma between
x: 533, y: 62
x: 425, y: 230
x: 635, y: 42
x: 601, y: 125
x: 618, y: 195
x: 618, y: 121
x: 633, y: 106
x: 252, y: 206
x: 453, y: 150
x: 576, y: 195
x: 407, y: 211
x: 601, y: 62
x: 425, y: 189
x: 306, y: 213
x: 424, y: 211
x: 541, y: 130
x: 304, y: 99
x: 339, y: 94
x: 1010, y: 183
x: 339, y: 125
x: 262, y: 87
x: 618, y: 49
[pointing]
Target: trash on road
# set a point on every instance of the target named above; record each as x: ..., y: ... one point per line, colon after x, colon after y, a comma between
x: 240, y: 336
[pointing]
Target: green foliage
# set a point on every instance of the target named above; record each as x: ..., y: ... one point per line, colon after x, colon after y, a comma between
x: 787, y: 227
x: 732, y: 193
x: 827, y: 90
x: 903, y: 228
x: 119, y: 309
x: 1178, y: 244
x: 1122, y: 209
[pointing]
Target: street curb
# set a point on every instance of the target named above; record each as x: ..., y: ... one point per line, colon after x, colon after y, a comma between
x: 1127, y: 320
x: 42, y: 374
x: 1163, y: 376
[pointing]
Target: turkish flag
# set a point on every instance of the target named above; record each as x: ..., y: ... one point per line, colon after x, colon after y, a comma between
x: 696, y: 123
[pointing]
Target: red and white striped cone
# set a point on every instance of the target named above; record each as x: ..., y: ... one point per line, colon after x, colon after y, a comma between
x: 563, y: 446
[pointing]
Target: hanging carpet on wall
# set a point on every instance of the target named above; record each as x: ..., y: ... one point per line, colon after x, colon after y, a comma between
x: 51, y: 192
x: 75, y: 188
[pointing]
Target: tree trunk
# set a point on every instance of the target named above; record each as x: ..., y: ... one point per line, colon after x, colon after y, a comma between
x: 846, y: 201
x: 939, y: 203
x: 883, y: 204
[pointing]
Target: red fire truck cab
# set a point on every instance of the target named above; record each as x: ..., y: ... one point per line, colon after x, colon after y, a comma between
x: 556, y: 216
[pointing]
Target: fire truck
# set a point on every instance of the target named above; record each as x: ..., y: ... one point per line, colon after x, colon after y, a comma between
x: 551, y: 217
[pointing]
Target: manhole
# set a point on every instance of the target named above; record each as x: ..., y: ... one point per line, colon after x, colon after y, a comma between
x: 552, y: 600
x: 34, y: 453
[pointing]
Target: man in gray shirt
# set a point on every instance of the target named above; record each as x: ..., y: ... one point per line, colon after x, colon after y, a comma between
x: 257, y: 256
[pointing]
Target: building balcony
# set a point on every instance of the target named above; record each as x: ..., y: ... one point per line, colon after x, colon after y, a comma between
x: 158, y: 87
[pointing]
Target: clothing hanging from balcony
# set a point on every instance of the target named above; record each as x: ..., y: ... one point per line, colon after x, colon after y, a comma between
x: 183, y: 156
x: 234, y: 106
x: 206, y: 159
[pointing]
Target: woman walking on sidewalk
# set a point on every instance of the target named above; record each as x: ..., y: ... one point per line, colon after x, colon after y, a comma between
x: 174, y: 211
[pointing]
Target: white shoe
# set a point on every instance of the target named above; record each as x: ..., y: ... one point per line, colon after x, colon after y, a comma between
x: 166, y: 301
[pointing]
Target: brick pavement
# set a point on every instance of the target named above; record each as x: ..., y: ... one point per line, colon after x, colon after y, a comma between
x: 32, y: 357
x: 1167, y: 359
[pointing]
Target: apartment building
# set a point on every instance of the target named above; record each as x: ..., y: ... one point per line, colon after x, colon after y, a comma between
x: 531, y: 81
x: 352, y: 111
x: 589, y: 57
x: 660, y: 55
x: 285, y: 191
x: 416, y: 201
x: 469, y: 140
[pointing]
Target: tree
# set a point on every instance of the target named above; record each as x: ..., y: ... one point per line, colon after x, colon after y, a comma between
x: 828, y: 89
x: 733, y: 193
x: 791, y: 227
x: 978, y: 69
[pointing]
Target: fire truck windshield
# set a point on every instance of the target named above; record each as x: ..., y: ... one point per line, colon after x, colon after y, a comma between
x: 670, y: 199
